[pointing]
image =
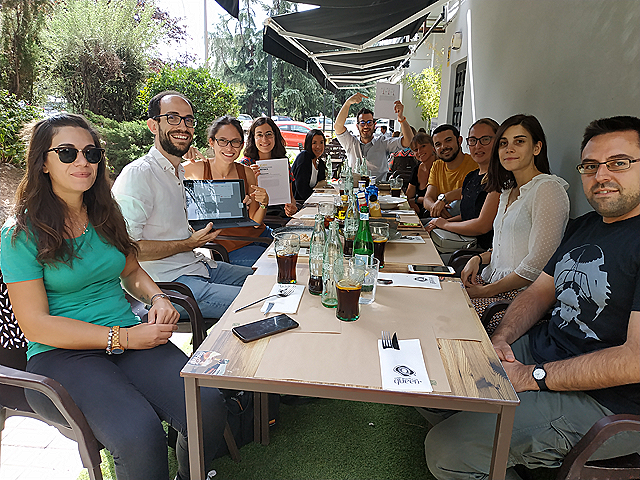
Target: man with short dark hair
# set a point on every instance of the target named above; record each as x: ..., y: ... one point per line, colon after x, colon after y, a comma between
x: 584, y: 363
x: 448, y: 172
x: 375, y: 149
x: 152, y: 199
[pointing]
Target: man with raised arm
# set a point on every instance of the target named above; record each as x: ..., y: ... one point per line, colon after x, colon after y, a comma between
x: 584, y: 363
x: 376, y: 149
x: 152, y: 199
x: 448, y: 172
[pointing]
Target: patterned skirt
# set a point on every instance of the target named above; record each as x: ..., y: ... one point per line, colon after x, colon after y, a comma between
x: 481, y: 304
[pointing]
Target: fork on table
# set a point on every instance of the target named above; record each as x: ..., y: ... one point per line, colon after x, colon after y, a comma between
x: 284, y: 292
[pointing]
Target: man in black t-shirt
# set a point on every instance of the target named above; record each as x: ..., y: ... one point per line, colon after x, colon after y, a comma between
x: 584, y: 363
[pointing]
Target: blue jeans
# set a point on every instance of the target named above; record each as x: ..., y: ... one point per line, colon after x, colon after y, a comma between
x: 546, y: 426
x: 124, y: 398
x: 248, y: 254
x: 215, y: 293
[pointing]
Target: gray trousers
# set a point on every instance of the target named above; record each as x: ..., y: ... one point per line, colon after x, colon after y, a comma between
x: 547, y: 425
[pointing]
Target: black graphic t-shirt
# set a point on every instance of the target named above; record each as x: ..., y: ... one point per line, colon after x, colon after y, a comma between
x: 596, y: 272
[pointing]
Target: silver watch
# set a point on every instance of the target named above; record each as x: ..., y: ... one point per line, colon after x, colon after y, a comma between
x: 442, y: 198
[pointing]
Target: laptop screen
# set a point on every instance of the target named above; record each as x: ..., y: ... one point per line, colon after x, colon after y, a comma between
x: 215, y: 199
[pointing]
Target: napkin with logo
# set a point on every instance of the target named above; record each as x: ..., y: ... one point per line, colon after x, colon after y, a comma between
x: 404, y: 370
x: 410, y: 280
x: 288, y: 304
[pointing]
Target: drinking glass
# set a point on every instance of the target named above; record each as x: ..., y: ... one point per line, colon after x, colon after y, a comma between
x: 287, y: 246
x: 328, y: 209
x: 349, y: 280
x: 369, y: 283
x: 380, y: 234
x: 396, y: 186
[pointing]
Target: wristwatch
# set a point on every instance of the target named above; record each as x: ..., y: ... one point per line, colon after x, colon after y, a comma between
x: 539, y: 375
x: 113, y: 344
x: 442, y: 198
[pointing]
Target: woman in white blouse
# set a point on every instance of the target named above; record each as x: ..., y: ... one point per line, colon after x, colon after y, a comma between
x: 532, y: 215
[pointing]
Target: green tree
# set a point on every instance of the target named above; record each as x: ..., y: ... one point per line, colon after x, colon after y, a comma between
x: 98, y: 52
x: 426, y: 86
x: 14, y: 114
x: 20, y: 52
x: 211, y: 98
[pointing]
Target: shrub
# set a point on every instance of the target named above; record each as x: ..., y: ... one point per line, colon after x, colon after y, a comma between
x: 14, y: 115
x: 211, y: 98
x: 125, y: 141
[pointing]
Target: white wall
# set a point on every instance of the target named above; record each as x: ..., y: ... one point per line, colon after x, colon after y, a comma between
x: 565, y: 61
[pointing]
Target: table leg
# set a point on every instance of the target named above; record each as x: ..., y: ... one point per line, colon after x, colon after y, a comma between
x: 257, y: 411
x: 194, y: 427
x: 501, y: 442
x: 264, y: 418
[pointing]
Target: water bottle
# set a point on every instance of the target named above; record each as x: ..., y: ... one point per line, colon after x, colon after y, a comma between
x: 332, y: 252
x: 351, y: 222
x: 363, y: 244
x: 316, y: 253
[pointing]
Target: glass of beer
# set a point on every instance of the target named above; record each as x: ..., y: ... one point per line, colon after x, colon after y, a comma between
x: 287, y: 246
x: 396, y: 186
x: 328, y: 209
x: 349, y: 280
x: 380, y: 234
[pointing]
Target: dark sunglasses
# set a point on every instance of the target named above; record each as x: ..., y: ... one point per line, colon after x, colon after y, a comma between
x: 69, y: 154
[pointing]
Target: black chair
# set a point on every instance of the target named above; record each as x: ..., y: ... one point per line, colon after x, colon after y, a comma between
x: 459, y: 258
x: 576, y: 465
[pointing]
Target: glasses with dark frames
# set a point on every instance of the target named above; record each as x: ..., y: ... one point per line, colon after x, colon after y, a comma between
x: 173, y: 119
x: 69, y: 154
x: 484, y: 140
x: 591, y: 168
x: 366, y: 122
x: 223, y: 142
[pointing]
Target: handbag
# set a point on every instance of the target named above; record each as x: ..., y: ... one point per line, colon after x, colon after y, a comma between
x: 448, y: 242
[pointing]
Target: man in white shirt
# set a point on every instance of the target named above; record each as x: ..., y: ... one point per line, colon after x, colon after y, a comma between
x: 152, y: 199
x: 375, y: 149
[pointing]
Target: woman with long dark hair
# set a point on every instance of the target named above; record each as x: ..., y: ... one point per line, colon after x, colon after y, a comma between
x: 64, y: 257
x: 226, y: 139
x: 309, y: 168
x: 265, y: 142
x: 532, y: 214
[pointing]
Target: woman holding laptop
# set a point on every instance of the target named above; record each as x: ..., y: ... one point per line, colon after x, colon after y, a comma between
x: 226, y: 140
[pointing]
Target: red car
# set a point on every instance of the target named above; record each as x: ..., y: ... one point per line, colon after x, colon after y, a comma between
x: 294, y: 133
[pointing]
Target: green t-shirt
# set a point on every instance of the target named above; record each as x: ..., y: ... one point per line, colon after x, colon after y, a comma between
x: 89, y: 290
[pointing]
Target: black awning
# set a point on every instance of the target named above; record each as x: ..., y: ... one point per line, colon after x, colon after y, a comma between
x: 231, y: 6
x: 351, y: 43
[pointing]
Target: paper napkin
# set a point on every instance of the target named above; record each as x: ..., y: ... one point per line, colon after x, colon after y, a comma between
x: 410, y: 280
x: 288, y: 304
x: 404, y: 369
x: 408, y: 239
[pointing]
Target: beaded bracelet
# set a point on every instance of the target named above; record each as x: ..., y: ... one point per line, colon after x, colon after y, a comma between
x: 161, y: 295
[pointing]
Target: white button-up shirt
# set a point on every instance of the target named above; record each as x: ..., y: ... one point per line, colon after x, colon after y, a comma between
x: 376, y: 152
x: 153, y: 203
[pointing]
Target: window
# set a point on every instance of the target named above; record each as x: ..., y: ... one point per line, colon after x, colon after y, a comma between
x: 458, y: 94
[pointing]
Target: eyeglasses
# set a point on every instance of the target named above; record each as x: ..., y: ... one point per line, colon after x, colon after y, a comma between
x: 265, y: 135
x: 366, y: 122
x: 69, y: 154
x: 173, y: 119
x: 591, y: 168
x: 223, y: 142
x: 485, y: 140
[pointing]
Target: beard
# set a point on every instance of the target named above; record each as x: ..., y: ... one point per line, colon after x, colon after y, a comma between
x: 626, y: 201
x: 167, y: 144
x: 452, y: 155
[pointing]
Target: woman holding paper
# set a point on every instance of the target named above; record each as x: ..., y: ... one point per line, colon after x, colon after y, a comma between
x: 265, y: 142
x: 226, y: 140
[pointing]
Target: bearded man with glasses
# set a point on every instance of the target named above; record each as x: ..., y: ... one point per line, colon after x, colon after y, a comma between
x: 376, y: 150
x: 151, y: 196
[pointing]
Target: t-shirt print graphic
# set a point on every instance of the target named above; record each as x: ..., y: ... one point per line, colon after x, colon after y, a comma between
x: 582, y: 288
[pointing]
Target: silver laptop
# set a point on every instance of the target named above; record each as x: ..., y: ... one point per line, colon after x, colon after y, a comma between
x: 218, y: 202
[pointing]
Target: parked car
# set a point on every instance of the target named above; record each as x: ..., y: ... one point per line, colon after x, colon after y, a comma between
x: 350, y: 124
x: 246, y: 121
x: 317, y: 122
x: 281, y: 118
x: 294, y: 133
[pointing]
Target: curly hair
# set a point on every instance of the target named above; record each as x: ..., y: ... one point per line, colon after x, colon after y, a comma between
x: 279, y: 148
x: 39, y: 211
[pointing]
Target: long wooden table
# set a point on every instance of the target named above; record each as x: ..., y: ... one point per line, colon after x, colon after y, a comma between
x: 476, y: 379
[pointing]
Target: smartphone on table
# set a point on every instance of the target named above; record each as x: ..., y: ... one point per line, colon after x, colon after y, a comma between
x: 432, y: 269
x: 265, y: 327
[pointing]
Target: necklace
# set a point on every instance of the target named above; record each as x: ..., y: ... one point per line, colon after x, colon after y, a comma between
x: 217, y: 170
x: 79, y: 227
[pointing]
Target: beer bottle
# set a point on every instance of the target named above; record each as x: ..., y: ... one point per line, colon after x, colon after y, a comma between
x: 316, y: 252
x: 332, y: 252
x: 363, y: 244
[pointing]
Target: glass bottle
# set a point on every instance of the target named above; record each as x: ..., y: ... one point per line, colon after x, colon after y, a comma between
x: 363, y: 244
x: 374, y: 206
x: 342, y: 208
x: 316, y: 252
x: 332, y: 252
x: 351, y: 224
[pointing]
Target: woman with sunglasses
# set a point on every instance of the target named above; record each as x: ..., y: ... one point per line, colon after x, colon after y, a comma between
x: 533, y: 211
x: 309, y: 168
x: 64, y: 257
x: 265, y: 142
x: 226, y: 140
x: 478, y: 208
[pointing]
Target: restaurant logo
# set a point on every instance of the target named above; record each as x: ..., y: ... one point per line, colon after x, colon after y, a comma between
x: 408, y: 376
x: 404, y: 371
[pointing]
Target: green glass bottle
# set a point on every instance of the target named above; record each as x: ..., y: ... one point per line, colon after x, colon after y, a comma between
x: 363, y: 243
